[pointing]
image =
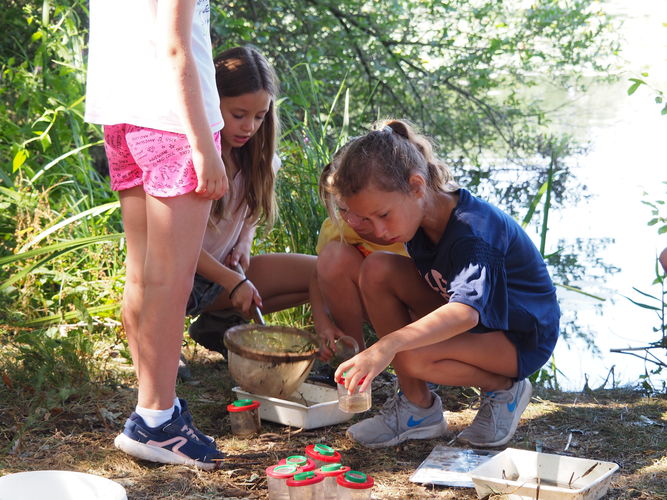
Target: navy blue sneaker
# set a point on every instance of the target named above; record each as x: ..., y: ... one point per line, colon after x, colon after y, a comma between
x: 187, y: 416
x: 174, y: 442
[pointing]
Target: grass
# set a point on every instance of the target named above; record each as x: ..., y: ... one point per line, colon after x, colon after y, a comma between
x: 619, y: 425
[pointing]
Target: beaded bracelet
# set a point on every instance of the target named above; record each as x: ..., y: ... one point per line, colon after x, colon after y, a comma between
x: 237, y: 287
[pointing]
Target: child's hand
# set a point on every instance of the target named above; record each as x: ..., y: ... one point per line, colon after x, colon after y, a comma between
x: 368, y: 364
x: 239, y: 256
x: 328, y: 336
x: 212, y: 181
x: 244, y: 297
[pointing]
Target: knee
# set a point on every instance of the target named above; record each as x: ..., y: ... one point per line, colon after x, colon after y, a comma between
x: 413, y: 364
x: 376, y: 271
x: 338, y: 260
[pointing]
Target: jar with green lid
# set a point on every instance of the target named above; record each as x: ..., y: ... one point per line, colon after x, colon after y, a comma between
x: 356, y: 402
x: 305, y: 486
x: 276, y: 480
x: 329, y: 485
x: 354, y: 485
x: 244, y: 417
x: 322, y: 454
x: 306, y: 464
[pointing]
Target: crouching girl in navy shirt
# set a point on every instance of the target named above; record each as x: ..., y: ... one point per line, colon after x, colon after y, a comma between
x: 473, y: 305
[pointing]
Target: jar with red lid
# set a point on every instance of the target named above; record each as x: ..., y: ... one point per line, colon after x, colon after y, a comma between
x: 356, y: 402
x: 322, y: 454
x: 244, y: 417
x: 306, y: 464
x: 305, y: 486
x: 354, y: 485
x: 276, y: 477
x: 329, y: 485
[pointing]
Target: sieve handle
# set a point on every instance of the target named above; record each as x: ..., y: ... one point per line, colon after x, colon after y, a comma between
x: 255, y: 313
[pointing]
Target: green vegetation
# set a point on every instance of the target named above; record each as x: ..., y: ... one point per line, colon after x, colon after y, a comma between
x: 456, y: 68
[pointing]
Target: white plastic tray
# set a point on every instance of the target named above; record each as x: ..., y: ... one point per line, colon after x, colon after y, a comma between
x: 311, y: 406
x: 515, y: 473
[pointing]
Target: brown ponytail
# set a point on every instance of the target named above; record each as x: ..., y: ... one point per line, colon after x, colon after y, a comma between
x: 386, y: 157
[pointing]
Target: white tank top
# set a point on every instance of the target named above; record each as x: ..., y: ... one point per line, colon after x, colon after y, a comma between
x: 127, y: 82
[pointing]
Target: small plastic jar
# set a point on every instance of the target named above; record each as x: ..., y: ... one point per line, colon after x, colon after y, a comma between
x: 356, y: 402
x: 305, y: 486
x: 354, y: 485
x: 276, y: 477
x: 322, y: 454
x: 244, y: 417
x: 306, y: 464
x: 329, y: 485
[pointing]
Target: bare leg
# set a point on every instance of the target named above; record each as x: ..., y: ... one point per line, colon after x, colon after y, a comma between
x: 281, y: 279
x: 133, y: 208
x: 175, y: 229
x: 392, y: 289
x: 338, y: 268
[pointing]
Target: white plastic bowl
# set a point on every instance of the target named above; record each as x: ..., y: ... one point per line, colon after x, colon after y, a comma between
x: 59, y: 485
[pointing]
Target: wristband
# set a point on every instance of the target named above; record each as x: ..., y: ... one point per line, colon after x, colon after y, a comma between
x: 237, y: 287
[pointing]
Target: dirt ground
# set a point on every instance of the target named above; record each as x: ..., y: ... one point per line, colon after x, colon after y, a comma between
x: 621, y: 426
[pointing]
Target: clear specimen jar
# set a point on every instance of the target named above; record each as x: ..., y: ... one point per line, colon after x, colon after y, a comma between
x: 244, y: 417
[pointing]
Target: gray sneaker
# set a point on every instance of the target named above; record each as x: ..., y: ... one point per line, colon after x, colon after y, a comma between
x: 399, y: 420
x: 498, y: 416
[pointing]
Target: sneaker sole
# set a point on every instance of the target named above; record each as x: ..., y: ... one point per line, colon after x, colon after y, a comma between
x: 426, y: 432
x: 521, y: 406
x: 156, y: 454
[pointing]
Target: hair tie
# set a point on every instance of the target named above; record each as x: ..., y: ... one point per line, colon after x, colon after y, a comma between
x: 237, y: 287
x: 388, y: 129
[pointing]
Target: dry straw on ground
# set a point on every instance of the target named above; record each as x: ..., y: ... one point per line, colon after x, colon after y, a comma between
x: 620, y: 426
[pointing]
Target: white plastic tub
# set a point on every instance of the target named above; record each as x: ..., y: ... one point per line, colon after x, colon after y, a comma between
x: 59, y: 485
x: 516, y: 473
x: 309, y: 407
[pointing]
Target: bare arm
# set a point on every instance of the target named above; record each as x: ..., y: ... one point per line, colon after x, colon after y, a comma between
x: 325, y: 328
x: 212, y: 269
x: 174, y: 18
x: 442, y: 324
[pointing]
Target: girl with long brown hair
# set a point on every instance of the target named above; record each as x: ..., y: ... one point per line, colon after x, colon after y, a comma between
x: 229, y: 282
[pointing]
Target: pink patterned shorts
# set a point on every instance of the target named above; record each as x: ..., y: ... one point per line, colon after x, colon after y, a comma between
x: 160, y: 160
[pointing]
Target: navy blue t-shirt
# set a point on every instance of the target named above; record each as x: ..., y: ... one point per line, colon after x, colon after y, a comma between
x: 487, y: 261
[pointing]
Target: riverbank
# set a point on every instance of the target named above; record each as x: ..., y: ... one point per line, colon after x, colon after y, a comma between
x: 619, y: 425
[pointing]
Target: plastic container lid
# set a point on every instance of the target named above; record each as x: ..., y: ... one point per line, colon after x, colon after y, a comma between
x: 305, y: 463
x: 323, y: 453
x: 242, y: 405
x: 331, y: 470
x: 279, y: 471
x: 304, y: 479
x: 341, y: 380
x: 355, y: 480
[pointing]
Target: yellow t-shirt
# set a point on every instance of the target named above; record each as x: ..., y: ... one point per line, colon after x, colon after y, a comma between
x: 331, y: 232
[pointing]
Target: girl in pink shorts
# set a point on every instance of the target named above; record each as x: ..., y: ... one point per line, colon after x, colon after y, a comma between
x: 152, y: 86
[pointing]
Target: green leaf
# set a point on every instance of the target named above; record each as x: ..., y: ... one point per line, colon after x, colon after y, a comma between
x: 533, y: 204
x: 633, y: 88
x: 65, y: 245
x: 19, y: 159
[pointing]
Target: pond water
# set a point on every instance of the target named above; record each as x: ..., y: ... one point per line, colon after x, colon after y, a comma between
x: 626, y: 135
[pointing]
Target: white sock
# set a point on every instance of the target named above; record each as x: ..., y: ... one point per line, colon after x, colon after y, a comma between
x: 177, y: 403
x: 153, y: 418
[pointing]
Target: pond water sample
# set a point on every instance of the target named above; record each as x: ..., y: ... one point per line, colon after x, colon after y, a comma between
x: 356, y: 402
